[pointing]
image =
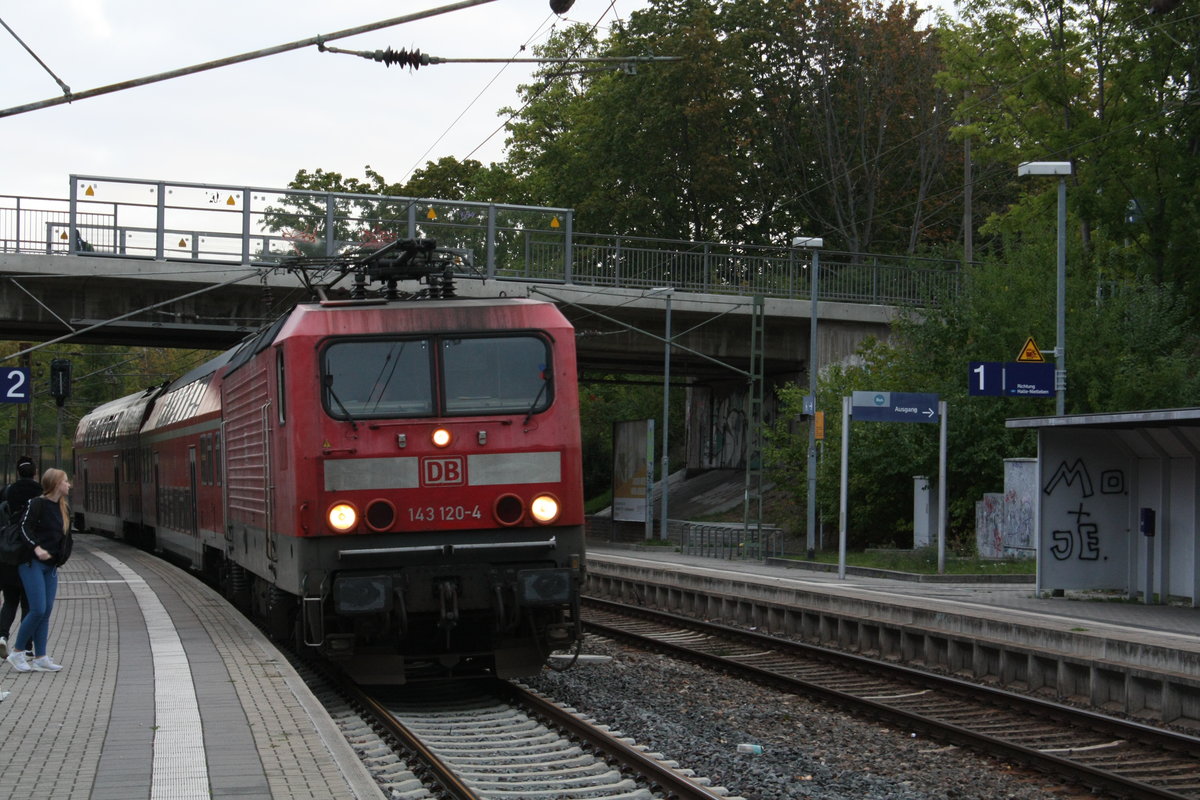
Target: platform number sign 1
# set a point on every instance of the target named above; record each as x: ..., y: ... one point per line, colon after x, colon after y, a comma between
x: 14, y: 385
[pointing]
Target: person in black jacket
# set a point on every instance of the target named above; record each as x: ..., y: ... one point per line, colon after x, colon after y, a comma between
x: 46, y: 526
x: 17, y: 495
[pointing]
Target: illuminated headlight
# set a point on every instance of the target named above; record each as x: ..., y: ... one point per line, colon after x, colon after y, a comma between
x: 342, y: 517
x: 544, y: 508
x: 362, y: 594
x: 440, y: 437
x: 544, y: 587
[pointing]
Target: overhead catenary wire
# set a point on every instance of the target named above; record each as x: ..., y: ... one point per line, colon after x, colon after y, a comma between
x: 463, y: 113
x: 66, y: 89
x: 251, y: 273
x: 536, y: 93
x: 320, y: 39
x: 415, y: 59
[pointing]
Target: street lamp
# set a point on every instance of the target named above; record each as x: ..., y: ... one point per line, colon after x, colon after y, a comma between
x: 667, y: 291
x: 814, y: 244
x: 1062, y: 169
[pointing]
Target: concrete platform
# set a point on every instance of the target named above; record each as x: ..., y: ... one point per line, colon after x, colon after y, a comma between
x: 1089, y: 648
x: 166, y: 691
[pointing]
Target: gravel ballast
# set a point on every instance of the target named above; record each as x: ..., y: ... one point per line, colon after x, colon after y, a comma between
x: 809, y: 750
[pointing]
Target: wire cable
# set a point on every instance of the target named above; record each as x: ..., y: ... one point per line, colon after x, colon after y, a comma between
x: 66, y: 89
x: 545, y: 84
x: 469, y: 105
x: 320, y: 39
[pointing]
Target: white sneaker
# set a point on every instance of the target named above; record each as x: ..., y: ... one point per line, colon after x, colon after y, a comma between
x: 18, y: 660
x: 4, y: 695
x: 44, y: 664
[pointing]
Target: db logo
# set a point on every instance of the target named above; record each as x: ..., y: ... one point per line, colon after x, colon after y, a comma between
x: 443, y: 471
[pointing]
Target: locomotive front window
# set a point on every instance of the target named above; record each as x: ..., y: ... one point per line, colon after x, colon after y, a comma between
x: 377, y: 378
x: 496, y: 374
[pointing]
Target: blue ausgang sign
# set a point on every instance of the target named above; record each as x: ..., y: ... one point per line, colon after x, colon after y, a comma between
x: 894, y: 407
x: 1011, y: 379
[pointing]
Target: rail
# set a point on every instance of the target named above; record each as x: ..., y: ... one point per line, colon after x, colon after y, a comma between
x: 219, y: 224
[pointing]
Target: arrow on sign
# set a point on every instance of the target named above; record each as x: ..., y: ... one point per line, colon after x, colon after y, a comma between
x: 894, y: 407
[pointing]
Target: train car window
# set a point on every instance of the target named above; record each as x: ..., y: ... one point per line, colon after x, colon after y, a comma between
x: 372, y: 378
x: 496, y: 374
x: 206, y: 476
x: 217, y: 458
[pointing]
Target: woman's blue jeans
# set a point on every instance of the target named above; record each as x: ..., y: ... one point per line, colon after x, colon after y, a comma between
x: 41, y: 587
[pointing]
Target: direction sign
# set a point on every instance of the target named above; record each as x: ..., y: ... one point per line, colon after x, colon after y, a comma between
x: 894, y: 407
x: 14, y: 385
x: 1012, y: 379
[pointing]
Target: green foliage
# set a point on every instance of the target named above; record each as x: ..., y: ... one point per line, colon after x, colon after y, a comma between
x: 364, y: 215
x: 1131, y: 346
x: 833, y: 118
x: 925, y: 562
x: 98, y: 374
x: 605, y: 401
x: 778, y: 117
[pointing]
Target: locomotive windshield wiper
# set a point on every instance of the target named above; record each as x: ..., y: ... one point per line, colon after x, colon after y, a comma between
x: 538, y: 397
x: 336, y: 399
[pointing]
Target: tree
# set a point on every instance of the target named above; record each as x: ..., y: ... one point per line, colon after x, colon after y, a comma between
x: 1107, y: 86
x: 779, y: 117
x: 1135, y: 348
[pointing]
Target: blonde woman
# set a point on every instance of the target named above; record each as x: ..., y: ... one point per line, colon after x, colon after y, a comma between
x: 46, y: 526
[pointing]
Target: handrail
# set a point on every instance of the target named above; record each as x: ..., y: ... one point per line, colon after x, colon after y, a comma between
x: 222, y: 224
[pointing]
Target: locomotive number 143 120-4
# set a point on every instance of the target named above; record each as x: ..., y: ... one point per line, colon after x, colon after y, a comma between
x: 443, y: 513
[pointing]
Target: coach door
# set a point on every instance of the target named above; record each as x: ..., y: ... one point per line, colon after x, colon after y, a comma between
x: 116, y: 503
x: 194, y: 497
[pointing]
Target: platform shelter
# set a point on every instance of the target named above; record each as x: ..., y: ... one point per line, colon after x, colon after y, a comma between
x: 1117, y: 504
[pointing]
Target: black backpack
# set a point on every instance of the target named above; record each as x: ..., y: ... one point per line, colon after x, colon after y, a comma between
x: 13, y: 547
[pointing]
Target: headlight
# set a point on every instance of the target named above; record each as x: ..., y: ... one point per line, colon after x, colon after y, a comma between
x: 342, y: 517
x: 441, y: 437
x: 544, y: 508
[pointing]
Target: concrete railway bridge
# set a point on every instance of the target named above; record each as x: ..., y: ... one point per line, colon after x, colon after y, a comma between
x: 137, y: 262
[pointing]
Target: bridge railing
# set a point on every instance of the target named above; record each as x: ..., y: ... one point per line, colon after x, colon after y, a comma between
x: 217, y: 224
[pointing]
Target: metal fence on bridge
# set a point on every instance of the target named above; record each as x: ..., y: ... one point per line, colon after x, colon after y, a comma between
x: 217, y: 224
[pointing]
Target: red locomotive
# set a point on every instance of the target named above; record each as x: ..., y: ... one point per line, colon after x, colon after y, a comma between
x: 393, y: 480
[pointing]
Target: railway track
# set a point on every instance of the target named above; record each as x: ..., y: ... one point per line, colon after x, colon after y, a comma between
x: 1114, y: 756
x: 470, y: 740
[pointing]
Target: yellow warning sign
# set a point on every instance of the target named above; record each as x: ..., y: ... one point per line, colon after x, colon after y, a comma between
x: 819, y: 423
x: 554, y: 223
x: 431, y: 214
x: 231, y: 201
x: 1030, y: 352
x: 90, y: 191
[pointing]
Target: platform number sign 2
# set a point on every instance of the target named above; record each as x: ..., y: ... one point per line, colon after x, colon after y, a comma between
x: 14, y: 385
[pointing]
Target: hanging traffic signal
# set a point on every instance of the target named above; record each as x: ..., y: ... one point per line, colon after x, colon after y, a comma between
x: 60, y: 380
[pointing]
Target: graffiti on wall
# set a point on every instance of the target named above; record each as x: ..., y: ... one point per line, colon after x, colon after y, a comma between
x: 1083, y: 523
x: 1080, y: 539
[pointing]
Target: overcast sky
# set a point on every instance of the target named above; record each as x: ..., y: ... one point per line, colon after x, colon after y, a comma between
x: 257, y: 123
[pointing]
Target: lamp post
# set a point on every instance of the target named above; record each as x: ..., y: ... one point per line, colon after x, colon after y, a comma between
x: 1062, y: 169
x: 814, y: 244
x: 667, y: 291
